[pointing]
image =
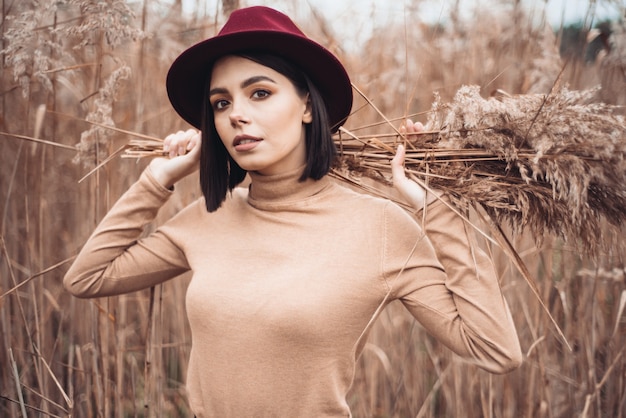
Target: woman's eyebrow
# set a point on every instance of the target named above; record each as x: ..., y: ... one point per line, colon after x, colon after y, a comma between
x: 217, y: 90
x: 247, y: 82
x: 256, y: 79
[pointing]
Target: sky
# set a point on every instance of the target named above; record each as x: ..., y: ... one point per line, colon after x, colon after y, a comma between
x: 557, y: 11
x: 352, y: 19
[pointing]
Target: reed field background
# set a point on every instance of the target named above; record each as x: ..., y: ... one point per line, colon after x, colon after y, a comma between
x: 69, y: 67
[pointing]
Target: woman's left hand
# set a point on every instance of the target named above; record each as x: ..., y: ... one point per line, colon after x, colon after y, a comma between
x: 415, y: 194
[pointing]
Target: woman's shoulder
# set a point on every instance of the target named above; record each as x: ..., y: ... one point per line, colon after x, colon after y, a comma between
x: 368, y: 193
x: 376, y: 199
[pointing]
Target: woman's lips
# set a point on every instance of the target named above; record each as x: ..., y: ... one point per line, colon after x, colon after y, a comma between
x: 244, y: 143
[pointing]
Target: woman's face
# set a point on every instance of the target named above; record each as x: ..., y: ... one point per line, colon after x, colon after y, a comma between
x: 259, y: 116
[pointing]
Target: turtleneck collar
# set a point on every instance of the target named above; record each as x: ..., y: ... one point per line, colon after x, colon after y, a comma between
x: 283, y: 190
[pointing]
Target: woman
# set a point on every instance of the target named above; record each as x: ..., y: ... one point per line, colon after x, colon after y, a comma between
x: 290, y: 273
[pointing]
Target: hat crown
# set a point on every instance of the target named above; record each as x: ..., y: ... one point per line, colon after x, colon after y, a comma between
x: 259, y: 18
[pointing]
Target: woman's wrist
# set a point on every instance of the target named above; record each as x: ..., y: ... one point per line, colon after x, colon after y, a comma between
x: 161, y: 176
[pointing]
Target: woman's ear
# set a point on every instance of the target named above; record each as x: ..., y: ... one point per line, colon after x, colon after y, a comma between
x: 307, y: 117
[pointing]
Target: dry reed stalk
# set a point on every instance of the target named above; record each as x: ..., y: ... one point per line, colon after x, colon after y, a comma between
x: 18, y: 385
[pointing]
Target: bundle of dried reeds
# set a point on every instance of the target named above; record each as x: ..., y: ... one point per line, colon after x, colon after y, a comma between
x: 543, y: 163
x: 540, y: 163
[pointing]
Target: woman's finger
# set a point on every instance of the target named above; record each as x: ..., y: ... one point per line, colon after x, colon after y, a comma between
x: 181, y: 142
x: 418, y: 127
x: 194, y: 140
x: 397, y: 164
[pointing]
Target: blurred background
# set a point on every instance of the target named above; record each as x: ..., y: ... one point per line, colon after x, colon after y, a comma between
x: 69, y: 67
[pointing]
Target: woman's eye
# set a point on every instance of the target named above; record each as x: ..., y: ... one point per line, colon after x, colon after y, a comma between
x: 260, y: 94
x: 220, y: 104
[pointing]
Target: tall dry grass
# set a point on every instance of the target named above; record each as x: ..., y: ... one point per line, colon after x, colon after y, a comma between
x: 72, y: 62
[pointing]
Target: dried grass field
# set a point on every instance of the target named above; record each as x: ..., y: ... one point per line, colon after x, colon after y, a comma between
x: 72, y: 68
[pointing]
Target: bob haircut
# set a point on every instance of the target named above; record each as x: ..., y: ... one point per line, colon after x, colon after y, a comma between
x: 220, y: 174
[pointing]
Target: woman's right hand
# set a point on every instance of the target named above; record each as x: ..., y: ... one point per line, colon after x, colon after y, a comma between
x: 183, y: 157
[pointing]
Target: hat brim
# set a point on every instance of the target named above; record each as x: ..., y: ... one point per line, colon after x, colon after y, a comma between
x: 188, y: 74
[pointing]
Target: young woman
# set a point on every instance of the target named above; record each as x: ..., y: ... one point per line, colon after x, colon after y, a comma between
x: 290, y: 273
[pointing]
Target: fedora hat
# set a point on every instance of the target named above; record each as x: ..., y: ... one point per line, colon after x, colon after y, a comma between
x: 265, y: 29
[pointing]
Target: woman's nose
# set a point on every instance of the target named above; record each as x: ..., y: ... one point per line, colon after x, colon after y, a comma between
x: 237, y: 115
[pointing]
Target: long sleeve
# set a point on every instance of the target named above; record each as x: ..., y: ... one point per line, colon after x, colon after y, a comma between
x: 462, y: 305
x: 115, y: 260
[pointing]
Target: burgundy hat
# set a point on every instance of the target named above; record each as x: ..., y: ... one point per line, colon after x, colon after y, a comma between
x: 258, y: 28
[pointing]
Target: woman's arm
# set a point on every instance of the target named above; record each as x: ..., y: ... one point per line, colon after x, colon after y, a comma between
x: 115, y: 260
x: 462, y: 306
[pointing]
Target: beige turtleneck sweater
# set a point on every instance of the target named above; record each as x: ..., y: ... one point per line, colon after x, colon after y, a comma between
x: 287, y: 277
